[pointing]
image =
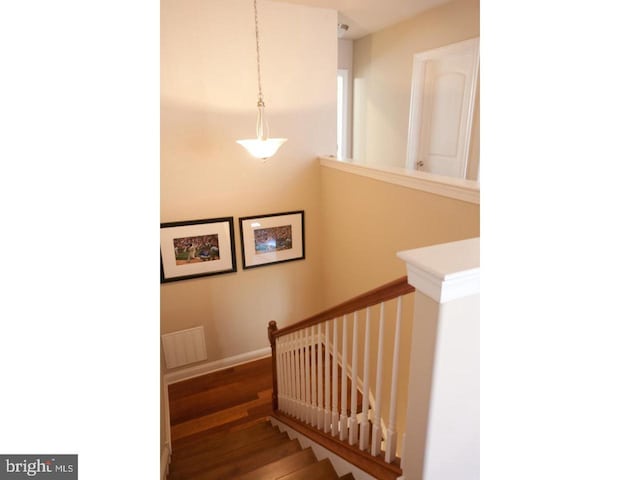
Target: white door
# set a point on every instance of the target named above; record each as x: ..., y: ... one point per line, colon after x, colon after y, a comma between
x: 442, y: 99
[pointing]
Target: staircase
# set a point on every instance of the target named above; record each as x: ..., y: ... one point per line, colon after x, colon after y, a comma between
x: 217, y: 423
x: 220, y: 430
x: 256, y: 451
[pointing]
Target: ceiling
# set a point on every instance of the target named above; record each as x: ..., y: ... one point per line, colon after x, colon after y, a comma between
x: 368, y: 16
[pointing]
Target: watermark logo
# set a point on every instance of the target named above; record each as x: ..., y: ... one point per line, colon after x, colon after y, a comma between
x: 49, y: 467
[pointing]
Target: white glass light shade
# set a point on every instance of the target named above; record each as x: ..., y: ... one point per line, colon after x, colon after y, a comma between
x: 262, y: 148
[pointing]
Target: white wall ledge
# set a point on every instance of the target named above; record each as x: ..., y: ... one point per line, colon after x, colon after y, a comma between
x: 457, y: 188
x: 445, y: 272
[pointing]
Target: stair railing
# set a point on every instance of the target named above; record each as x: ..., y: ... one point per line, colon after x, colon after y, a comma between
x: 309, y: 396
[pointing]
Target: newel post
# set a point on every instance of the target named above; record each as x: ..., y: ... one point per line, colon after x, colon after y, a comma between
x: 442, y: 441
x: 273, y: 328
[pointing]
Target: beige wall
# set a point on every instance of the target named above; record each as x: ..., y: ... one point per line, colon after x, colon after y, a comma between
x: 354, y: 225
x: 382, y: 64
x: 366, y: 222
x: 208, y: 100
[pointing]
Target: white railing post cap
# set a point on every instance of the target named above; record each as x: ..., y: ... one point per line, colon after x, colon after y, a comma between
x: 446, y: 271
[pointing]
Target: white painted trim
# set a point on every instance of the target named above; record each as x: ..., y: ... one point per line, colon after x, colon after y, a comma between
x: 344, y: 112
x: 456, y: 188
x: 445, y: 272
x: 165, y: 460
x: 417, y: 90
x: 444, y: 290
x: 167, y: 417
x: 216, y: 365
x: 341, y: 466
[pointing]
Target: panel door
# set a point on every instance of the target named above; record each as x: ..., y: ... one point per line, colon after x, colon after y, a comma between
x: 443, y: 110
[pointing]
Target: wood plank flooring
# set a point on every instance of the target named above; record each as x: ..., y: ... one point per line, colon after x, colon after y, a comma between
x: 219, y: 430
x: 220, y: 401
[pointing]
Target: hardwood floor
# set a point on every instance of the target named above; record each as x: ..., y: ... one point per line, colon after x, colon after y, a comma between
x: 225, y: 400
x: 220, y: 431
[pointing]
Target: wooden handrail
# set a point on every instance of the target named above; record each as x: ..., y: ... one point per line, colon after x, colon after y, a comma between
x: 383, y: 293
x: 369, y: 462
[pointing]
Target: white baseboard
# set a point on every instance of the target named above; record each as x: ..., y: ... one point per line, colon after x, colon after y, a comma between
x: 216, y: 365
x: 341, y: 466
x: 164, y: 462
x: 167, y: 418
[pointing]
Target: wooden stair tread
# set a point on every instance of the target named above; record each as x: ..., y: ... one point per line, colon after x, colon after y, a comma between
x: 201, y: 383
x: 209, y: 421
x: 281, y: 467
x: 252, y: 416
x: 210, y: 457
x: 214, y: 458
x: 248, y: 463
x: 318, y: 471
x: 220, y: 429
x: 222, y: 445
x: 220, y: 437
x: 218, y: 398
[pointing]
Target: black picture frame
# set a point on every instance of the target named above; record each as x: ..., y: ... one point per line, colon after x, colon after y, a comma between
x: 214, y: 251
x: 272, y: 238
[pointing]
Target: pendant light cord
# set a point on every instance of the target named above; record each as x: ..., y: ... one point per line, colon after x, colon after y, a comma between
x: 255, y: 11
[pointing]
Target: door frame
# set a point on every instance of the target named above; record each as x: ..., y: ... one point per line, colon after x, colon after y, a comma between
x: 343, y: 112
x: 420, y: 61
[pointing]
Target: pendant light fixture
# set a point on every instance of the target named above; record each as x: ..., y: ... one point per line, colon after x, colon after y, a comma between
x: 262, y: 146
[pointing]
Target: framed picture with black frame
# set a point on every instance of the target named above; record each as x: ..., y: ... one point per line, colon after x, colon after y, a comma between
x: 196, y: 248
x: 272, y: 238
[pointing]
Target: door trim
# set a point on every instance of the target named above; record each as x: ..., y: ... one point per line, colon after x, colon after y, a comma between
x: 420, y: 61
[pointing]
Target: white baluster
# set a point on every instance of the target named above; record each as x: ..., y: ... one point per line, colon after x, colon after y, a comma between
x: 320, y: 410
x: 291, y: 385
x: 314, y: 393
x: 297, y: 365
x: 353, y: 420
x: 307, y: 377
x: 283, y: 361
x: 343, y: 393
x: 392, y: 434
x: 284, y: 405
x: 334, y: 381
x: 294, y: 372
x: 364, y: 424
x: 278, y: 373
x: 289, y: 374
x: 327, y: 379
x: 285, y: 376
x: 319, y: 391
x: 376, y: 439
x: 303, y: 377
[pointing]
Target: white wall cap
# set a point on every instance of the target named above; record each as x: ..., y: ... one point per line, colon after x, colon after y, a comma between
x: 446, y: 271
x: 458, y: 188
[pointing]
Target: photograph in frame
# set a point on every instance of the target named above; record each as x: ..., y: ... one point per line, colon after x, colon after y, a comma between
x: 272, y: 238
x: 196, y: 248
